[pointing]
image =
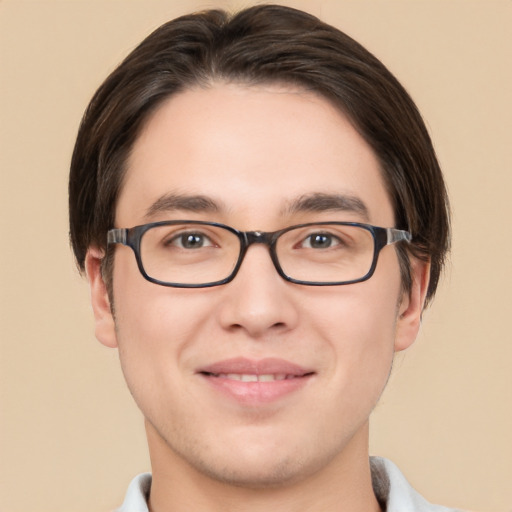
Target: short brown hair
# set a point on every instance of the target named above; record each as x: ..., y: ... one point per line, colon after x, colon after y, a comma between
x: 261, y: 44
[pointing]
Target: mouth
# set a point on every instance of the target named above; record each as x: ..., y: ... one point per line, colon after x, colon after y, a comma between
x: 256, y: 382
x: 253, y: 377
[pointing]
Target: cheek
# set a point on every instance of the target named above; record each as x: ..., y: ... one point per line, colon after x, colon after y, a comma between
x: 156, y: 325
x: 358, y: 324
x: 147, y: 313
x: 151, y: 326
x: 153, y: 335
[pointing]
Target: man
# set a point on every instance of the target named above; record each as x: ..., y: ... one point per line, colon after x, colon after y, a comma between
x: 261, y: 217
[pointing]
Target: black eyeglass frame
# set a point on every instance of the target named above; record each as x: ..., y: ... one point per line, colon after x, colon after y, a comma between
x: 131, y: 237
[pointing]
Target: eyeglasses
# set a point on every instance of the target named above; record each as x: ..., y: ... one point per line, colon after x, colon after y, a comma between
x: 195, y: 254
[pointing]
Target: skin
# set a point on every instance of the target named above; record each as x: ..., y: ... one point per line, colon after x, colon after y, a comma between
x: 253, y: 151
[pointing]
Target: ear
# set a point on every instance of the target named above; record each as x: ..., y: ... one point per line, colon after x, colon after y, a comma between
x: 411, y: 305
x: 104, y: 319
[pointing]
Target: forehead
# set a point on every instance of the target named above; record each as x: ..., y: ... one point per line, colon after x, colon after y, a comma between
x: 252, y: 151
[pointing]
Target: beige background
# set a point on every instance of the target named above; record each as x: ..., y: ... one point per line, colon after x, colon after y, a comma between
x: 70, y: 437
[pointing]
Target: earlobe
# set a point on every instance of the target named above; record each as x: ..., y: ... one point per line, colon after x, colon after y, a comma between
x: 411, y: 306
x: 104, y: 320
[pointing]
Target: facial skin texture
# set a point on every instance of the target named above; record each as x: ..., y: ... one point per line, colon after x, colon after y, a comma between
x: 253, y: 151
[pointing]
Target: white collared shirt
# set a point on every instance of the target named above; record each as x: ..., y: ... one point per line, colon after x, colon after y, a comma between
x: 390, y: 486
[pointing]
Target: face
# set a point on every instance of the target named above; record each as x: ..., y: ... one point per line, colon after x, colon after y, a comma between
x: 191, y: 356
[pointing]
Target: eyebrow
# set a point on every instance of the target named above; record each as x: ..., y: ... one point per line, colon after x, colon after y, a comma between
x: 321, y: 202
x: 313, y: 202
x: 191, y: 203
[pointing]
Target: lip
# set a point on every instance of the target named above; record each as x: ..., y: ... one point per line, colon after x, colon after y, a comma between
x: 224, y: 377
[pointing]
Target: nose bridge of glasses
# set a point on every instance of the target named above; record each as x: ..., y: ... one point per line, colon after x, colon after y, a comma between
x: 257, y: 237
x: 260, y: 237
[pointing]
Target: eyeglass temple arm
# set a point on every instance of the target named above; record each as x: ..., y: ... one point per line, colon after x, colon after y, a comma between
x: 397, y: 235
x: 116, y: 236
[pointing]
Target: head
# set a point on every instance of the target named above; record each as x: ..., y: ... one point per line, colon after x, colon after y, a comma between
x: 261, y: 45
x: 252, y: 113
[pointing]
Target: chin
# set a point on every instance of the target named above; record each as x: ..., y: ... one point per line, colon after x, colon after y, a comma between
x: 257, y: 475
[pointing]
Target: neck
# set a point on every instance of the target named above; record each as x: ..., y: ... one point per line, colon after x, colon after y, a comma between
x: 343, y: 484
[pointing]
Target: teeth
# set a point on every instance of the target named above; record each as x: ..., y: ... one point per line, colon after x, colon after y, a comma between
x: 244, y: 377
x: 249, y: 378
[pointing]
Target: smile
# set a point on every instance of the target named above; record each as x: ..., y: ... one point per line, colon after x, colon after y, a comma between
x: 251, y: 377
x: 255, y: 383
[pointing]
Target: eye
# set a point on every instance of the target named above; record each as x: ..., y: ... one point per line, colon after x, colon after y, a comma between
x: 190, y: 240
x: 320, y: 241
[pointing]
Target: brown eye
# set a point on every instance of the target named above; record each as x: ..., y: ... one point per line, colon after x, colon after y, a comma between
x: 190, y: 241
x: 320, y: 241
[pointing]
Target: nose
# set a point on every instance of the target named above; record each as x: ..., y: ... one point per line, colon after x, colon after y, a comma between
x: 258, y: 301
